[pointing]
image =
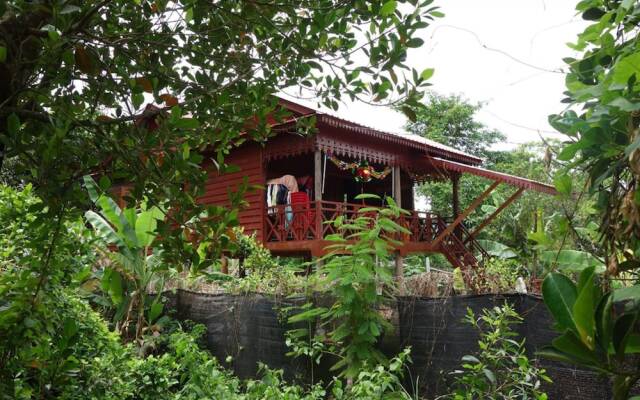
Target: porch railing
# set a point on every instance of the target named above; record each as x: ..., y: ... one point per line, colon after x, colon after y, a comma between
x: 300, y: 222
x: 309, y: 221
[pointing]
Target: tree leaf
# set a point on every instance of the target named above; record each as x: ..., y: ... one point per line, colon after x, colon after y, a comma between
x: 563, y: 184
x: 571, y: 345
x: 490, y: 375
x: 3, y: 54
x: 559, y: 294
x: 155, y: 310
x: 427, y: 73
x: 622, y: 329
x: 169, y: 100
x: 604, y: 321
x: 388, y: 8
x: 13, y: 124
x: 626, y: 294
x: 145, y: 84
x: 585, y: 307
x: 408, y: 111
x: 187, y: 123
x: 625, y: 68
x: 84, y: 61
x: 571, y: 260
x: 146, y: 224
x: 105, y: 230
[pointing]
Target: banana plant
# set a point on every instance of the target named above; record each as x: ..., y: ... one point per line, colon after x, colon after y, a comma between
x: 128, y: 234
x: 598, y: 328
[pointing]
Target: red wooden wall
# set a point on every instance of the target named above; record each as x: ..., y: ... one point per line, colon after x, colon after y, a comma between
x: 249, y: 159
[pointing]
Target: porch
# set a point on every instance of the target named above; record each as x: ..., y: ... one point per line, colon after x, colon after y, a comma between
x: 303, y: 229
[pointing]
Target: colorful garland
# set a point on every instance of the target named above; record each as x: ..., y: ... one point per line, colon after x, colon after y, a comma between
x: 362, y: 171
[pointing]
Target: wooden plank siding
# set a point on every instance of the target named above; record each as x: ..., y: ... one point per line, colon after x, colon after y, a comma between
x: 249, y: 159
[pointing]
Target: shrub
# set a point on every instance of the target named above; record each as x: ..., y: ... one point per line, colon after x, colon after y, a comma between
x: 501, y: 274
x: 500, y: 369
x: 355, y: 276
x: 254, y: 256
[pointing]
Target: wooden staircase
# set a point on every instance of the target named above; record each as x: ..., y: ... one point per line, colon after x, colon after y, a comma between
x: 461, y: 249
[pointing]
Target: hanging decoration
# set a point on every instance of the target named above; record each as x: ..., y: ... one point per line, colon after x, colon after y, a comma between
x: 361, y: 170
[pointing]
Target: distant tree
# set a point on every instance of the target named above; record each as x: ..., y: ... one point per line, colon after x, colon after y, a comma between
x: 451, y: 120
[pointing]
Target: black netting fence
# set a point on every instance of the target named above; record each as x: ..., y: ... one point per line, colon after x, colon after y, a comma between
x: 251, y: 329
x: 439, y: 338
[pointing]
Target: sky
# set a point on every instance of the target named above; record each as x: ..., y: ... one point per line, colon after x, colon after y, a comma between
x: 504, y: 53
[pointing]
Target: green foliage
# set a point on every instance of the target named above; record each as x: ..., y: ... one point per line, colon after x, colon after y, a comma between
x: 278, y: 281
x: 561, y: 224
x: 254, y: 256
x: 79, y: 79
x: 42, y: 251
x: 601, y: 122
x: 500, y: 369
x: 595, y: 331
x: 355, y: 275
x: 57, y: 356
x: 381, y: 382
x: 82, y: 359
x: 135, y: 266
x: 501, y: 275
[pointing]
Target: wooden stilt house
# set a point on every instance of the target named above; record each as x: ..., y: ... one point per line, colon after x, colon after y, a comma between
x: 309, y: 180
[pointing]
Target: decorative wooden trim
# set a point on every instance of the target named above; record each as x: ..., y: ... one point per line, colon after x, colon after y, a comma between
x: 287, y: 146
x: 346, y: 149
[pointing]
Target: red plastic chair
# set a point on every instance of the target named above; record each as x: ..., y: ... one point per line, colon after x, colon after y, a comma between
x: 302, y: 215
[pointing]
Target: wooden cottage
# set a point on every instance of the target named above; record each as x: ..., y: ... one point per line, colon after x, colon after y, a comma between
x: 310, y: 180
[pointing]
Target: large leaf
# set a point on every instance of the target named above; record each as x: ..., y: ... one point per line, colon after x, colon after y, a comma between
x: 604, y: 321
x: 110, y: 209
x: 626, y: 294
x: 146, y: 224
x: 572, y: 260
x: 560, y: 295
x: 104, y: 229
x: 622, y: 330
x: 112, y: 284
x: 155, y: 310
x: 497, y: 249
x: 92, y: 188
x: 585, y: 307
x: 571, y: 345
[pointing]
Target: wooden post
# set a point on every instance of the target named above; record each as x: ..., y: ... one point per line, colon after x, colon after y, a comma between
x: 455, y: 186
x: 317, y: 196
x: 455, y: 199
x: 397, y: 189
x: 224, y: 265
x: 317, y: 175
x: 465, y: 213
x: 399, y: 272
x: 399, y: 260
x: 491, y: 217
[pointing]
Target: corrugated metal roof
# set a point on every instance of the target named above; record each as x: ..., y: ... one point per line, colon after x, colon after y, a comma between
x: 517, y: 181
x: 404, y: 138
x: 407, y: 139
